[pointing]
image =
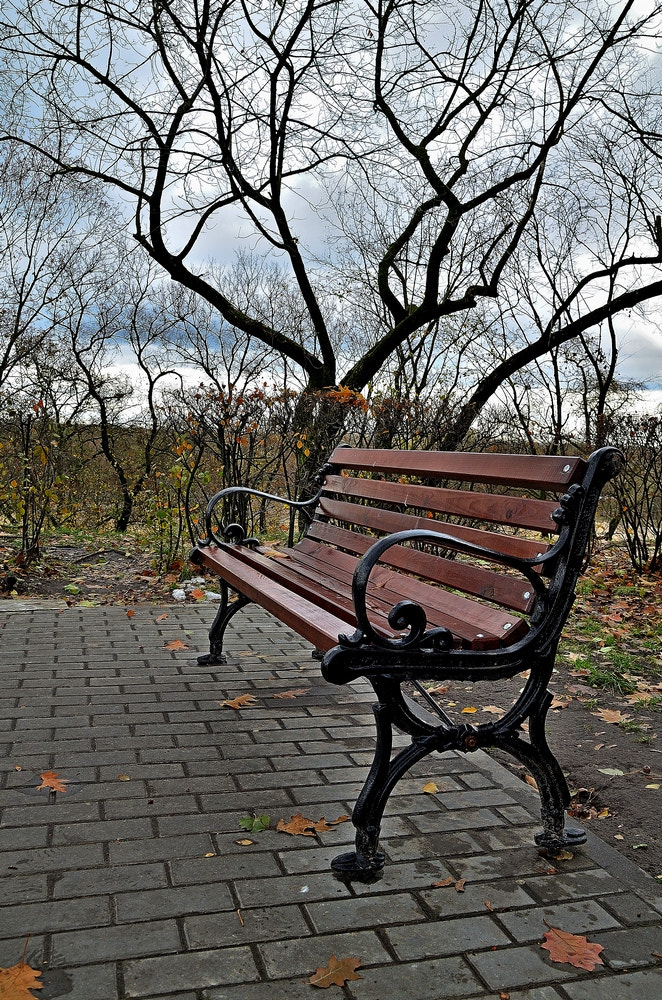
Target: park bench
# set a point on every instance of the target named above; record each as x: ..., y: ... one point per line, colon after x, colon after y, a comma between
x: 423, y: 567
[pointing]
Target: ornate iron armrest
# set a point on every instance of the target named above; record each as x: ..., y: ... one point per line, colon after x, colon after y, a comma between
x: 411, y: 616
x: 235, y: 532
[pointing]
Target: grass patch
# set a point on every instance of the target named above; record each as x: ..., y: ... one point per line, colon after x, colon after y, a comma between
x: 609, y: 680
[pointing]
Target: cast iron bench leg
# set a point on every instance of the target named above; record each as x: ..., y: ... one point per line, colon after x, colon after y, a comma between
x: 227, y: 610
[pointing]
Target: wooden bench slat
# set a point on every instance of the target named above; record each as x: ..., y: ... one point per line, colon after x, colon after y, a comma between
x: 508, y: 591
x: 388, y: 521
x: 520, y: 512
x: 479, y: 626
x: 538, y: 472
x: 315, y: 624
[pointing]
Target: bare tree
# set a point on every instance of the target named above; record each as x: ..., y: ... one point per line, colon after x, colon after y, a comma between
x: 452, y: 151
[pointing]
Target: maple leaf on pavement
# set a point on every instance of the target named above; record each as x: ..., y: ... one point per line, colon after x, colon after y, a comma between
x: 241, y: 701
x: 16, y: 982
x: 175, y: 644
x: 573, y: 949
x: 336, y: 973
x: 611, y: 715
x: 51, y: 779
x: 294, y: 693
x: 300, y: 826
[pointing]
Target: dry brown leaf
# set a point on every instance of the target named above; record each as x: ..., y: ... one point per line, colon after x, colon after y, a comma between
x: 443, y: 883
x: 488, y: 905
x: 440, y: 689
x: 492, y: 709
x: 431, y: 788
x: 16, y: 982
x: 130, y: 613
x: 175, y: 644
x: 611, y: 715
x: 245, y: 842
x: 197, y: 593
x: 530, y: 780
x: 469, y: 710
x: 572, y: 949
x: 51, y: 779
x: 241, y: 701
x: 300, y: 826
x: 460, y: 884
x: 336, y: 973
x: 503, y: 995
x: 559, y: 703
x: 161, y: 618
x: 294, y: 693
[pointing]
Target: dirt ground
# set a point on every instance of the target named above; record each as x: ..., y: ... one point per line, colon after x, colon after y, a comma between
x: 605, y: 739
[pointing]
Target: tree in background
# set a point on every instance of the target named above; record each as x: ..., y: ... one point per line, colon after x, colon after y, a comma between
x: 495, y: 159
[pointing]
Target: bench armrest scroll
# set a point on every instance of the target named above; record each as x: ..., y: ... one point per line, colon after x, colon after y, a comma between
x: 235, y: 532
x: 411, y: 616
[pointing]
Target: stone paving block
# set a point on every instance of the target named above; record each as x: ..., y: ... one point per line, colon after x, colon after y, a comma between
x: 194, y: 970
x: 433, y: 845
x: 284, y: 989
x: 578, y: 917
x: 466, y: 819
x: 508, y: 968
x: 252, y: 892
x: 88, y: 833
x: 52, y: 859
x: 645, y: 985
x: 119, y: 878
x: 12, y: 949
x: 159, y: 849
x: 572, y: 885
x: 199, y: 869
x: 445, y: 902
x: 82, y: 947
x: 39, y: 918
x: 631, y: 948
x: 87, y: 982
x: 22, y: 888
x: 304, y: 957
x: 445, y: 937
x: 243, y: 926
x: 371, y: 911
x: 154, y: 805
x: 174, y: 901
x: 630, y: 908
x: 417, y: 981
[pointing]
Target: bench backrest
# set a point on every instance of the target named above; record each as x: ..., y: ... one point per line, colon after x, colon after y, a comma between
x: 504, y: 503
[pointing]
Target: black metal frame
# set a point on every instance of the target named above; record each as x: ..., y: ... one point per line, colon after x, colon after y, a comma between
x: 428, y: 654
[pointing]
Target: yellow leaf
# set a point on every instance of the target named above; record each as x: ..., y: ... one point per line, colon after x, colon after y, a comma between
x: 123, y: 777
x: 16, y: 982
x: 469, y: 711
x: 431, y: 788
x: 652, y: 786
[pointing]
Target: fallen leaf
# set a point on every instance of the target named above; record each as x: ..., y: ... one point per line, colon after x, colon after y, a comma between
x: 619, y: 836
x: 294, y: 693
x: 440, y: 689
x: 603, y: 814
x: 563, y: 856
x: 175, y: 644
x: 558, y: 703
x: 241, y: 701
x: 300, y: 826
x: 488, y: 905
x: 431, y: 788
x: 197, y: 593
x: 469, y: 711
x: 336, y: 973
x: 503, y: 995
x: 572, y: 949
x: 460, y: 884
x: 611, y: 715
x: 16, y: 982
x: 161, y: 618
x: 245, y: 842
x: 255, y: 824
x: 638, y: 847
x: 493, y: 709
x: 123, y: 777
x: 210, y: 854
x: 443, y: 883
x: 611, y: 771
x: 530, y: 780
x: 652, y: 786
x: 130, y: 613
x: 51, y: 779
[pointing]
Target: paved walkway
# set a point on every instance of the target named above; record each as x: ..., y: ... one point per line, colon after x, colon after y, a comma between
x: 133, y: 883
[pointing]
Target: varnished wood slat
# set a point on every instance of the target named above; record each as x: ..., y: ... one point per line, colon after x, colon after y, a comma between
x: 391, y: 521
x: 503, y: 589
x: 538, y: 472
x: 477, y: 625
x: 313, y: 623
x: 519, y: 512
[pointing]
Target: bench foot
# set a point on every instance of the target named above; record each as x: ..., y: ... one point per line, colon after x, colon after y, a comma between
x: 572, y: 836
x: 212, y: 659
x: 354, y: 866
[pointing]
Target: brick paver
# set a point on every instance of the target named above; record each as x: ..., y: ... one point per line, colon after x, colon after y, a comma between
x: 133, y: 883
